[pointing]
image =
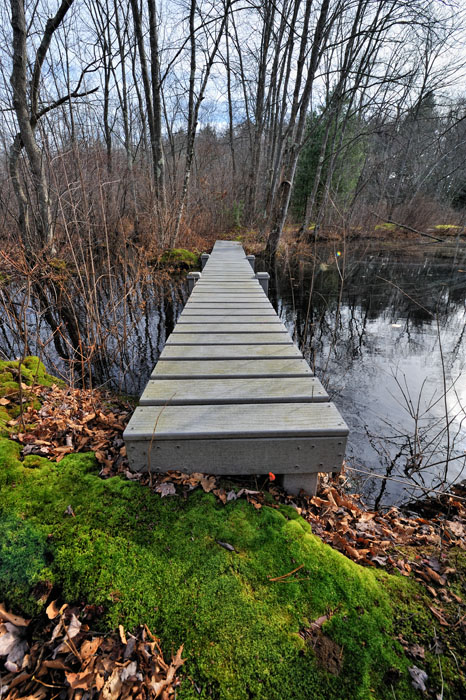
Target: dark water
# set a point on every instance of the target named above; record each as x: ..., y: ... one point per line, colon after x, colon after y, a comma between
x: 384, y: 330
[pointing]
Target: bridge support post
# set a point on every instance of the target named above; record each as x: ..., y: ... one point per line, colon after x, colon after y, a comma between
x: 294, y: 483
x: 192, y: 278
x: 263, y: 279
x: 204, y: 259
x: 251, y: 260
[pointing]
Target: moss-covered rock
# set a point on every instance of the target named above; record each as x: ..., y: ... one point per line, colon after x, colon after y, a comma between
x: 159, y: 561
x: 180, y: 258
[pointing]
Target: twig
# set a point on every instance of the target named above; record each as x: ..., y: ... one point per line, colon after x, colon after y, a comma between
x: 279, y: 578
x: 405, y: 481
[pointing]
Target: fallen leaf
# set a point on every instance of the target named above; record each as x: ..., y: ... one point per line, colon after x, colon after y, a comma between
x: 128, y: 671
x: 13, y: 646
x: 221, y: 494
x: 74, y: 627
x: 208, y: 483
x: 226, y: 545
x: 82, y: 679
x: 441, y: 580
x: 14, y: 619
x: 419, y: 678
x: 166, y: 489
x: 52, y: 610
x: 112, y: 687
x: 439, y: 615
x: 416, y: 651
x: 456, y: 528
x: 89, y: 647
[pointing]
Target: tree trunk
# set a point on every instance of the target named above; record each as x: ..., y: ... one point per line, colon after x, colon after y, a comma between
x: 44, y: 225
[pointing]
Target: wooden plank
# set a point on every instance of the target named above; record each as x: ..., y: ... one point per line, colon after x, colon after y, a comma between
x: 230, y: 369
x: 200, y: 302
x: 238, y: 456
x: 230, y: 352
x: 219, y: 391
x: 241, y: 287
x: 202, y: 319
x: 210, y: 298
x: 273, y: 420
x: 237, y: 312
x: 229, y: 328
x: 229, y: 339
x: 218, y: 289
x: 225, y: 291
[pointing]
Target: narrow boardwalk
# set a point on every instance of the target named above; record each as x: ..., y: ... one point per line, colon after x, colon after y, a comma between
x: 231, y: 393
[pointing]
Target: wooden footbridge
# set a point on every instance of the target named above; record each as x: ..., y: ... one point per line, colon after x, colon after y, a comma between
x: 231, y: 393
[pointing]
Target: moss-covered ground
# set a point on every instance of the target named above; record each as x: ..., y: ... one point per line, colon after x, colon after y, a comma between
x: 27, y: 372
x: 180, y: 258
x: 158, y: 561
x: 198, y: 572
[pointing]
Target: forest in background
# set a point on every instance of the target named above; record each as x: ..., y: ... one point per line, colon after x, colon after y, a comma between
x: 148, y: 121
x: 130, y: 128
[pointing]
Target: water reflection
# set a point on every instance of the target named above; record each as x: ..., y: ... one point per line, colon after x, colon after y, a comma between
x: 385, y: 333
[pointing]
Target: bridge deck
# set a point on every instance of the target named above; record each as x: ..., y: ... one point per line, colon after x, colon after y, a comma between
x: 231, y: 393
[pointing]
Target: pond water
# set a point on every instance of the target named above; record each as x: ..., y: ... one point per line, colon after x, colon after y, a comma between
x: 384, y: 329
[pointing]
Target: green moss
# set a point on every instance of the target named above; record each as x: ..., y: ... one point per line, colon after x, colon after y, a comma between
x: 58, y: 264
x: 446, y: 227
x: 180, y: 257
x: 385, y: 227
x: 158, y: 561
x: 32, y: 373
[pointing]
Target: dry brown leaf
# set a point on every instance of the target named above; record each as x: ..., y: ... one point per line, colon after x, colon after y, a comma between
x: 82, y: 679
x: 121, y: 631
x: 456, y: 528
x: 52, y: 610
x: 439, y: 615
x: 89, y: 647
x: 221, y: 494
x: 88, y: 417
x: 14, y: 619
x: 112, y: 687
x: 208, y: 483
x: 353, y: 553
x: 166, y: 489
x: 441, y: 580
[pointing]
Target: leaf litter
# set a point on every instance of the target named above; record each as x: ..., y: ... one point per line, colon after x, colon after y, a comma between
x: 74, y: 662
